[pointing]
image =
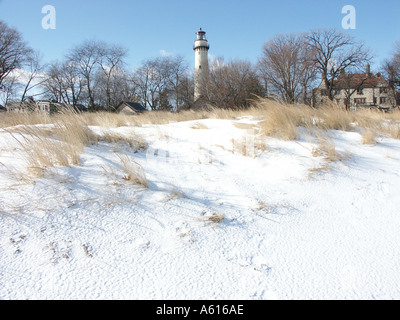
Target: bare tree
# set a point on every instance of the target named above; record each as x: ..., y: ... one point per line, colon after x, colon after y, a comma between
x: 111, y: 63
x: 176, y: 70
x: 308, y: 73
x: 35, y: 78
x: 148, y: 79
x: 159, y: 82
x: 87, y: 57
x: 9, y: 89
x: 55, y: 82
x: 233, y: 84
x: 185, y: 92
x: 74, y: 85
x: 287, y: 68
x: 65, y: 83
x: 336, y: 52
x: 13, y: 51
x: 391, y: 69
x: 91, y: 72
x: 114, y: 87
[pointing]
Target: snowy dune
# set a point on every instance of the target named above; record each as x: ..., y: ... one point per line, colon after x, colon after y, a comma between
x: 218, y: 220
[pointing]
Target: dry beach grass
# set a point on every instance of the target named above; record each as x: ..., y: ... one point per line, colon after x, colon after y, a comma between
x: 58, y: 140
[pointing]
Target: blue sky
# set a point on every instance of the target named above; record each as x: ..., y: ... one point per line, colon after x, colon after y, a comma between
x: 235, y: 28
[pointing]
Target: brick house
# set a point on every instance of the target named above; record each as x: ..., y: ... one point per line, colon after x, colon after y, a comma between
x: 358, y: 90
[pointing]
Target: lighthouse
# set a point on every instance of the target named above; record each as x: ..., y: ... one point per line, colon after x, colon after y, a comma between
x: 201, y: 72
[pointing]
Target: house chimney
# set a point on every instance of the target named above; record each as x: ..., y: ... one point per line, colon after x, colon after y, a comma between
x: 368, y: 69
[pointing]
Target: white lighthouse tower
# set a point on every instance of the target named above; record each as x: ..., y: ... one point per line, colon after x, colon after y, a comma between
x: 201, y: 73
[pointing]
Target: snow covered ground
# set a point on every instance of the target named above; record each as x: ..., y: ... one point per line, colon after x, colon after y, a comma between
x: 295, y: 226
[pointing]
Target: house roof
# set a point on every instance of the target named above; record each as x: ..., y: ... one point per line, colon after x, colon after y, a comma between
x: 365, y: 80
x: 135, y: 106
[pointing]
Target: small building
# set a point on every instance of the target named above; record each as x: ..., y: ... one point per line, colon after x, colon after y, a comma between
x: 358, y: 90
x: 128, y: 107
x: 44, y: 106
x: 21, y: 107
x: 47, y: 106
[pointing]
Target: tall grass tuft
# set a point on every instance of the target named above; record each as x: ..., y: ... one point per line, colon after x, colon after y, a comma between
x: 332, y: 117
x: 368, y: 136
x: 58, y: 144
x: 136, y: 142
x: 134, y: 171
x: 281, y: 120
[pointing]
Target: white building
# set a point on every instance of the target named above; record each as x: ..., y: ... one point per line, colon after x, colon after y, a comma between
x: 43, y: 106
x: 201, y: 76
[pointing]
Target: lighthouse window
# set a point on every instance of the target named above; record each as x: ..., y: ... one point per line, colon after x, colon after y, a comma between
x: 199, y: 67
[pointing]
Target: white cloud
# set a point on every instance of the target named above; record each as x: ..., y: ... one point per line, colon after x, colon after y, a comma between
x: 165, y: 53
